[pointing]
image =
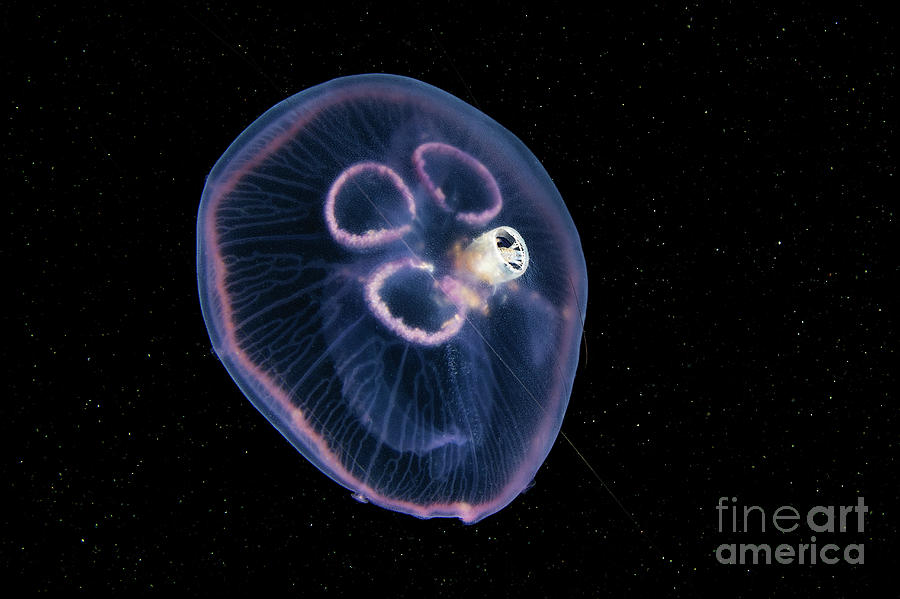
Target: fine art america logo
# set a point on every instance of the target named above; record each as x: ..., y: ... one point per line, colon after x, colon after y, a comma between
x: 835, y: 521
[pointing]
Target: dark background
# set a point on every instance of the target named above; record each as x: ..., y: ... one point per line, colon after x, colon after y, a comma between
x: 732, y: 173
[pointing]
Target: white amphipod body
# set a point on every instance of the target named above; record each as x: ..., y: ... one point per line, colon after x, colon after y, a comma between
x: 497, y: 256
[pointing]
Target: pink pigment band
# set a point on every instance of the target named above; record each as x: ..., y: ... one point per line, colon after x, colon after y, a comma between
x: 373, y: 237
x: 470, y: 218
x: 381, y: 310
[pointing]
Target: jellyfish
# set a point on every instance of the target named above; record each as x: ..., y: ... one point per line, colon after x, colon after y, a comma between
x: 393, y: 280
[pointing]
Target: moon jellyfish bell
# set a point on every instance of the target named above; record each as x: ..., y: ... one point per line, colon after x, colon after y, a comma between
x: 393, y: 280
